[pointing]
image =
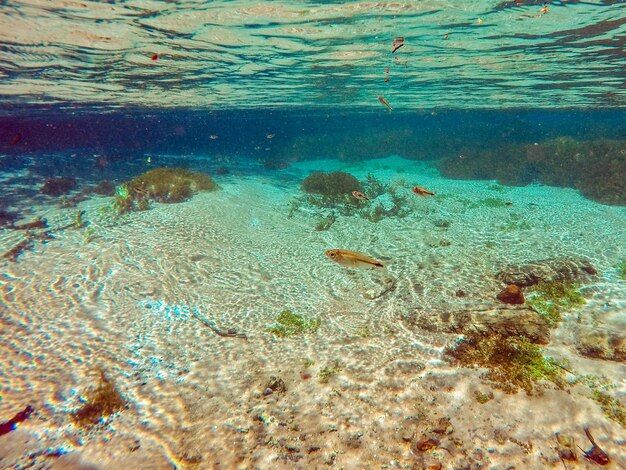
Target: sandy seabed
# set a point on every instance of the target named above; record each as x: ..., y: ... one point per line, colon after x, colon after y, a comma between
x: 138, y: 301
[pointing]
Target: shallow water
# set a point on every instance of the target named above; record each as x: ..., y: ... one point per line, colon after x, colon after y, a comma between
x: 212, y: 331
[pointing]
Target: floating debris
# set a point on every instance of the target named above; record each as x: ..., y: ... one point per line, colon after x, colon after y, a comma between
x: 397, y: 44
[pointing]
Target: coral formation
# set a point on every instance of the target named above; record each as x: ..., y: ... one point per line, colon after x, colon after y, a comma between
x: 292, y: 324
x: 512, y: 362
x: 553, y: 298
x: 597, y: 168
x: 104, y: 400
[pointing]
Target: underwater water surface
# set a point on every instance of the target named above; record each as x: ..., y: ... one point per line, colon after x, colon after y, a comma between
x: 242, y: 234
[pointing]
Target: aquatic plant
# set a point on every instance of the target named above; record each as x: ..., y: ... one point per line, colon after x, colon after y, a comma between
x: 291, y: 324
x: 325, y: 223
x: 482, y: 397
x: 512, y: 362
x: 611, y: 407
x: 328, y: 371
x: 621, y: 269
x: 595, y: 167
x: 58, y: 186
x: 333, y: 187
x: 103, y: 400
x: 553, y: 298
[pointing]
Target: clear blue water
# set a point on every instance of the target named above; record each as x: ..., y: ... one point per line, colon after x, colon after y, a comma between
x: 512, y: 113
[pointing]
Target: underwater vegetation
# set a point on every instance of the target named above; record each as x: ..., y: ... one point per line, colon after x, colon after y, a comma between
x: 334, y: 187
x: 101, y: 401
x: 512, y: 362
x: 597, y: 168
x: 553, y: 298
x: 621, y: 269
x: 291, y: 324
x: 334, y: 191
x: 58, y: 186
x: 168, y: 185
x: 611, y: 407
x: 328, y: 371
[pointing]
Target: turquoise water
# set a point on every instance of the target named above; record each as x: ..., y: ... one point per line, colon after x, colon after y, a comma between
x: 244, y: 234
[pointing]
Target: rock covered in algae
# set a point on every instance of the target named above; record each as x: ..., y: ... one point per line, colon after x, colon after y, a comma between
x: 335, y: 184
x: 554, y: 269
x: 483, y: 319
x: 170, y: 184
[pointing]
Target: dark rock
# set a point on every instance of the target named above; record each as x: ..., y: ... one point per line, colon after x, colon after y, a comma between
x: 511, y: 294
x: 58, y: 186
x: 460, y: 293
x: 556, y: 269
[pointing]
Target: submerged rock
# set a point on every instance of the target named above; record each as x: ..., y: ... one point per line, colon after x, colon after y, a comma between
x: 554, y: 269
x: 483, y: 319
x: 511, y: 294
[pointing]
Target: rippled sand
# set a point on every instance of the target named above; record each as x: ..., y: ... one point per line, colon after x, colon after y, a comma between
x: 136, y: 300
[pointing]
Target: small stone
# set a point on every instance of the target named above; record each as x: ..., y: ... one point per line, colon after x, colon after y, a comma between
x: 276, y: 384
x: 511, y: 294
x: 460, y: 293
x: 424, y: 444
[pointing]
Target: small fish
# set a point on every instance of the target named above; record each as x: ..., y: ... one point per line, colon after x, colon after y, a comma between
x: 270, y: 136
x: 397, y: 44
x: 352, y: 259
x: 149, y: 160
x: 446, y: 36
x: 360, y: 196
x: 213, y: 136
x: 595, y: 454
x: 155, y: 57
x: 422, y: 191
x: 385, y: 102
x: 16, y: 139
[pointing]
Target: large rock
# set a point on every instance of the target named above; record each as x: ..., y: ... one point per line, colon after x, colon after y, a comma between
x: 484, y: 319
x: 554, y: 269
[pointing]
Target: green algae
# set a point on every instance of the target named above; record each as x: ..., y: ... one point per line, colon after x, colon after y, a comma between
x: 621, y: 269
x: 482, y: 397
x: 328, y: 371
x: 612, y: 408
x: 512, y: 362
x: 553, y: 298
x: 291, y: 324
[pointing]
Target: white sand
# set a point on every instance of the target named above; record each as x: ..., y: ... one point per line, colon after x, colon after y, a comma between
x: 123, y: 303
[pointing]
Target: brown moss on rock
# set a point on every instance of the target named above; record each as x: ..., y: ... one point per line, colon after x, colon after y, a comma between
x: 170, y: 184
x: 332, y: 185
x: 103, y: 400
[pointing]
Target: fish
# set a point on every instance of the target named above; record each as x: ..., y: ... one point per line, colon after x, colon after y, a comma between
x: 422, y: 191
x: 155, y: 57
x: 213, y: 136
x: 360, y: 196
x: 16, y: 139
x: 385, y: 102
x: 352, y: 259
x: 595, y: 454
x: 397, y: 44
